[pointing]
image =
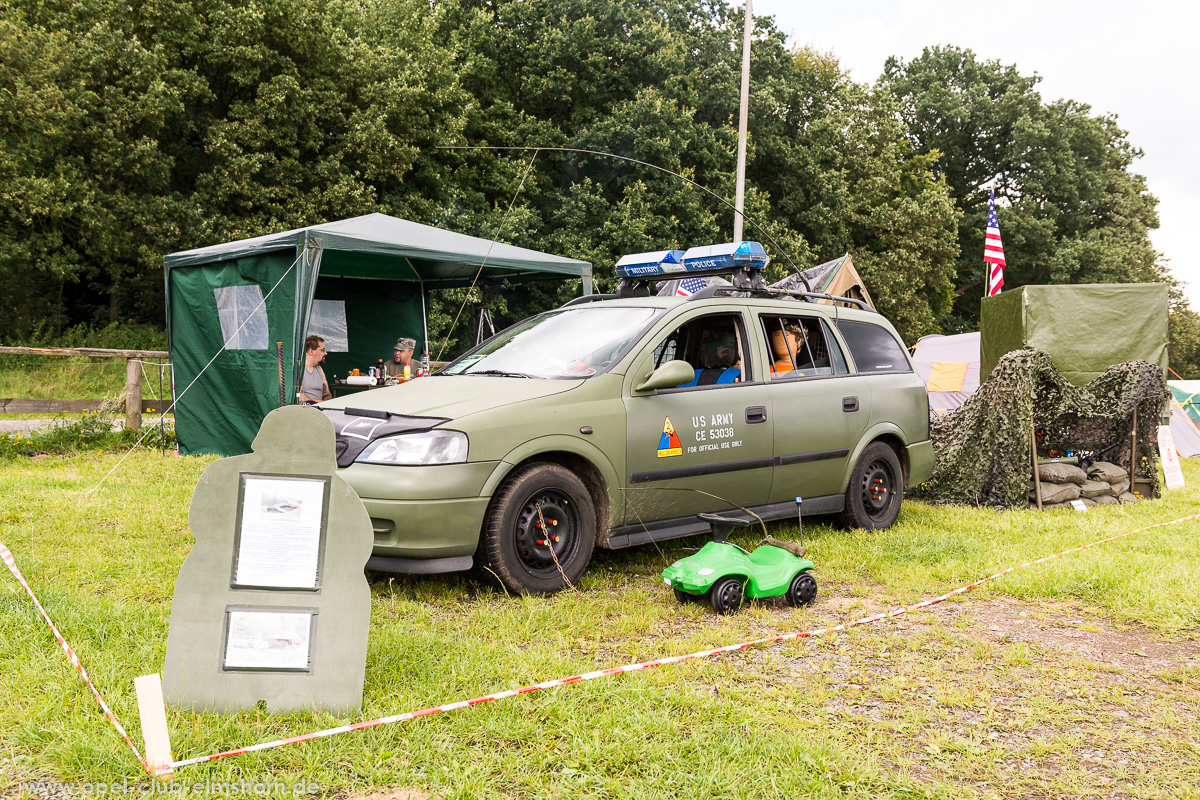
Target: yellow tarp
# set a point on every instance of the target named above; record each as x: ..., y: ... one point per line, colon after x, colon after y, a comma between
x: 947, y: 376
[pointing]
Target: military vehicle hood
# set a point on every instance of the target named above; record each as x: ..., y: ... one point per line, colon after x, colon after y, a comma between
x: 452, y: 396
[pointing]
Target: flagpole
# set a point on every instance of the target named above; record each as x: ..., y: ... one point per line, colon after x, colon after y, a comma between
x: 739, y: 202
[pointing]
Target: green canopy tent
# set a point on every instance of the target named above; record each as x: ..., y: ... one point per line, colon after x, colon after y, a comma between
x: 1086, y: 328
x: 361, y: 283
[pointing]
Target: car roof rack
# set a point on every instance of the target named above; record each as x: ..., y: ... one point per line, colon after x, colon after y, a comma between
x: 718, y: 290
x: 587, y: 298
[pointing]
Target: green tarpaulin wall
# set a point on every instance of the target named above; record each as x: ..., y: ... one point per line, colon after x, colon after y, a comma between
x: 1084, y: 328
x: 379, y: 266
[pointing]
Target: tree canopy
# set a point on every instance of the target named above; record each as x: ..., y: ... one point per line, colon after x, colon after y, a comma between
x: 128, y: 131
x: 1071, y: 210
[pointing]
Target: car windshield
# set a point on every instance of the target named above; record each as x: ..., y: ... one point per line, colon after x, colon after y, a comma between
x: 570, y: 343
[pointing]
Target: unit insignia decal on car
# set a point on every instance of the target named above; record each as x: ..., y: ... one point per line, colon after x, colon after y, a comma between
x: 669, y: 444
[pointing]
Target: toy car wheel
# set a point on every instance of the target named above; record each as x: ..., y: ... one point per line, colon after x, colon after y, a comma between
x: 726, y: 595
x: 803, y: 590
x: 539, y: 531
x: 875, y: 491
x: 684, y: 597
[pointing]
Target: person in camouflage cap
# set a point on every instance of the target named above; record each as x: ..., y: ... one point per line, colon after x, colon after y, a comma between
x: 401, y: 356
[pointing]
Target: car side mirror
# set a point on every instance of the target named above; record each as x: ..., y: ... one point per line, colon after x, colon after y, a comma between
x: 668, y: 376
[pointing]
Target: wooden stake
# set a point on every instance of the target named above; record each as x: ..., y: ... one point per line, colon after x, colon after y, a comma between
x: 155, y: 735
x: 1037, y: 482
x: 1133, y: 458
x: 133, y: 394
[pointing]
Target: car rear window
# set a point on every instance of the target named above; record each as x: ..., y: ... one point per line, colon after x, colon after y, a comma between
x: 874, y: 348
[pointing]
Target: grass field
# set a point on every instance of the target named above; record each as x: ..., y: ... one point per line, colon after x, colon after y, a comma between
x: 1074, y: 678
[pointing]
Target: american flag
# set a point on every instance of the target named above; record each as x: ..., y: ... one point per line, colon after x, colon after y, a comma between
x: 689, y: 286
x: 993, y: 249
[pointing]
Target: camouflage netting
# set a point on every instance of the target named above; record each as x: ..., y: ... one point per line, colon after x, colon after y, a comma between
x: 982, y: 448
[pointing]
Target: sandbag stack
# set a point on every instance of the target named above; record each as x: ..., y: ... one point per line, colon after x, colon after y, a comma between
x: 1102, y: 484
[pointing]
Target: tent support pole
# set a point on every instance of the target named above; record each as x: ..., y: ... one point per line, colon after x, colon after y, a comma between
x: 1037, y: 481
x: 424, y: 327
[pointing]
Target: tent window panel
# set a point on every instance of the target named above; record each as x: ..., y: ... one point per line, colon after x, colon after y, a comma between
x: 328, y: 320
x: 243, y: 317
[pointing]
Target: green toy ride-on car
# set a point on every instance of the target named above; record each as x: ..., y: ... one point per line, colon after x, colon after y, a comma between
x: 726, y: 573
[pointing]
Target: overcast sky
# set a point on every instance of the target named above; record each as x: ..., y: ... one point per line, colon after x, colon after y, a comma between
x: 1133, y: 60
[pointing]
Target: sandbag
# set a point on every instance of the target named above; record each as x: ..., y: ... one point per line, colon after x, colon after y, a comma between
x: 1087, y: 501
x: 1056, y: 492
x: 1094, y: 488
x: 1106, y: 500
x: 1120, y: 487
x: 1128, y: 497
x: 1107, y: 472
x: 1061, y: 473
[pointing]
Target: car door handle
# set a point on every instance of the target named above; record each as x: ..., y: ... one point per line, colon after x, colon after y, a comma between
x: 756, y: 414
x: 849, y: 404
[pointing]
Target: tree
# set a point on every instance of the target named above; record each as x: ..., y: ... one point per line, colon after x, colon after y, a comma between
x: 835, y: 161
x: 829, y: 171
x: 132, y: 131
x: 1071, y: 210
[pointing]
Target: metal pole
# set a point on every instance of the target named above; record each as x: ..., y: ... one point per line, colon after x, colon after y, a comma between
x: 739, y: 202
x: 162, y: 413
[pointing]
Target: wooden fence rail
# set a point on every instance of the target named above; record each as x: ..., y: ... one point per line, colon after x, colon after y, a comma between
x: 134, y: 405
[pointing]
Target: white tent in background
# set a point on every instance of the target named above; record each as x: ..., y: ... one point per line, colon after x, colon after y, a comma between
x: 949, y: 365
x: 1185, y: 416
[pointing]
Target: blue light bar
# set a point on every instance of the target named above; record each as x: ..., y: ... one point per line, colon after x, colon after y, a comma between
x: 650, y: 265
x: 734, y: 255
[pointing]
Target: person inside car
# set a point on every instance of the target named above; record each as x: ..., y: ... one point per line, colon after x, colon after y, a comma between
x: 719, y: 360
x: 786, y: 343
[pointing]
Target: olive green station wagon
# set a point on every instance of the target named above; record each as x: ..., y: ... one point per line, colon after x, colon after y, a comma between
x: 614, y: 422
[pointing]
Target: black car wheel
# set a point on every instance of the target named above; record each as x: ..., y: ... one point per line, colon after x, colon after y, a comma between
x: 726, y: 595
x: 803, y: 590
x: 539, y: 531
x: 684, y: 597
x: 875, y: 491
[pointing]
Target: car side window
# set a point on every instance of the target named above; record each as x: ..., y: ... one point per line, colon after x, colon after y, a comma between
x: 874, y: 348
x: 713, y: 345
x: 800, y: 347
x: 840, y: 367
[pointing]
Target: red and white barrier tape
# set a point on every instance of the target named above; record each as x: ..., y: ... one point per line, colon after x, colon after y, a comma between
x: 74, y: 659
x: 587, y: 676
x: 604, y: 673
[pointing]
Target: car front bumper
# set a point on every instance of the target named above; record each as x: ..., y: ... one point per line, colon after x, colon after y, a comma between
x: 432, y: 512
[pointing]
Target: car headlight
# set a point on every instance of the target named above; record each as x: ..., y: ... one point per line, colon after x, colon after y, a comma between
x: 429, y: 447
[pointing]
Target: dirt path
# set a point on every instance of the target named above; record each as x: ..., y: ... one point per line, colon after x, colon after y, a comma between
x: 25, y: 425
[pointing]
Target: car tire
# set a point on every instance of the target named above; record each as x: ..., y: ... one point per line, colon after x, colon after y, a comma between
x: 875, y: 491
x: 726, y: 595
x: 685, y: 597
x: 803, y: 590
x: 514, y: 553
